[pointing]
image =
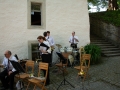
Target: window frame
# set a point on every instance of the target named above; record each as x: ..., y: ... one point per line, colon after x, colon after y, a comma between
x: 43, y: 14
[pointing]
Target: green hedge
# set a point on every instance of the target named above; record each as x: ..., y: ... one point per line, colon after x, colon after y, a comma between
x: 112, y: 17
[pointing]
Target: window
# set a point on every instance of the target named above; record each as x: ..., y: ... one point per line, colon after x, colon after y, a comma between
x: 36, y: 14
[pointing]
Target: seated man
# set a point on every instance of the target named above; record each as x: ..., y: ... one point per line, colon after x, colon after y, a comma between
x: 7, y: 75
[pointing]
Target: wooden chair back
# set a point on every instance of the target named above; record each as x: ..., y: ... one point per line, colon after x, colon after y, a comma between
x: 36, y: 80
x: 43, y: 66
x: 30, y: 64
x: 85, y: 60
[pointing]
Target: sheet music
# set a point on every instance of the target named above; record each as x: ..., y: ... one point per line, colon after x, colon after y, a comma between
x: 42, y: 48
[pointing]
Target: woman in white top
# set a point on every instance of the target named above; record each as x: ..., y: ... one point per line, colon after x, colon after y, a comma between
x: 46, y: 51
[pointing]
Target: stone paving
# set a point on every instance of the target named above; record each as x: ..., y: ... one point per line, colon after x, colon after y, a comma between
x: 104, y: 76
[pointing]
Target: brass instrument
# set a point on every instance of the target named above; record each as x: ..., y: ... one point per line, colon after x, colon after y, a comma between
x: 82, y: 61
x: 52, y: 48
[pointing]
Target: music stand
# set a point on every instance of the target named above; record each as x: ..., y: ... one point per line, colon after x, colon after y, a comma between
x: 64, y: 80
x: 17, y: 66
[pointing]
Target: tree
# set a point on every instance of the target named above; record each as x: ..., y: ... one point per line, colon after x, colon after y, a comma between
x: 111, y: 4
x: 98, y: 3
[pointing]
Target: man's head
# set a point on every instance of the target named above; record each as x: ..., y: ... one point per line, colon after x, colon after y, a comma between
x: 7, y: 54
x: 45, y: 34
x: 73, y: 33
x: 48, y: 33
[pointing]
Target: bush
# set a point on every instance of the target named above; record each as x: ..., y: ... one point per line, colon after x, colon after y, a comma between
x: 95, y: 52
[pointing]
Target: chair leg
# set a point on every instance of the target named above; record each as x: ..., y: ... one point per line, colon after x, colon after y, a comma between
x: 43, y: 88
x: 34, y: 87
x: 28, y: 86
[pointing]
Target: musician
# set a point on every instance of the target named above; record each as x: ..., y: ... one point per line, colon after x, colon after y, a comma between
x: 73, y: 40
x: 50, y: 39
x: 46, y: 51
x: 52, y: 44
x: 7, y: 75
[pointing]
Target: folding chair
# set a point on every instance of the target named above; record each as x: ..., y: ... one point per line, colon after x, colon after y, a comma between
x: 84, y: 66
x: 29, y: 64
x: 39, y: 81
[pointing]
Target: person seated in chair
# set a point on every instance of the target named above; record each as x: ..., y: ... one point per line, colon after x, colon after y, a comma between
x: 7, y: 75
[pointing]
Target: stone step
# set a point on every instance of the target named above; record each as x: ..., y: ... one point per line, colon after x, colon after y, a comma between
x: 103, y: 44
x: 111, y: 55
x: 109, y: 49
x: 100, y: 42
x: 116, y: 51
x: 108, y: 46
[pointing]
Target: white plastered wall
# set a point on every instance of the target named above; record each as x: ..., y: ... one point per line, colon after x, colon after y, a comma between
x: 62, y: 17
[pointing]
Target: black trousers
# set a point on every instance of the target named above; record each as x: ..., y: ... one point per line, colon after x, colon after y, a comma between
x: 46, y: 58
x: 7, y: 80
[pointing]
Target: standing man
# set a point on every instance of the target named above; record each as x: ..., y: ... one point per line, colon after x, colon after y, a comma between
x: 50, y: 39
x: 52, y: 43
x: 7, y: 76
x: 73, y: 40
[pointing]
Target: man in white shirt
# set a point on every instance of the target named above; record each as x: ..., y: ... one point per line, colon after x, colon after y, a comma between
x: 50, y: 39
x: 52, y: 43
x: 7, y: 75
x: 73, y: 40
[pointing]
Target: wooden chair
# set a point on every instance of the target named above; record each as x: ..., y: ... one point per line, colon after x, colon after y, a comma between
x: 39, y: 81
x: 29, y: 64
x: 84, y: 66
x: 64, y: 56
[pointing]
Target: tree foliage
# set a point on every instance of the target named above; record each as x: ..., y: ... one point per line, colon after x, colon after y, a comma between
x: 110, y: 4
x: 98, y: 3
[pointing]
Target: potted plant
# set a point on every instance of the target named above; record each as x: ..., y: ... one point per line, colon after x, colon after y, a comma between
x: 95, y: 52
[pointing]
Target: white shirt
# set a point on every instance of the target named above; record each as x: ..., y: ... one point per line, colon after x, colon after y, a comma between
x: 5, y: 63
x: 71, y: 39
x: 51, y: 40
x: 44, y: 48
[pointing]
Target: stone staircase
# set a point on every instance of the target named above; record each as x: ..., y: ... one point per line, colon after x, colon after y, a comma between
x: 107, y: 48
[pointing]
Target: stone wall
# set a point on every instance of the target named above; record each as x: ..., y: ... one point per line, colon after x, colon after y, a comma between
x: 105, y: 30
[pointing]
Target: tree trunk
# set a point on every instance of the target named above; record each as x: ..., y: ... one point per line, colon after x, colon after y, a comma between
x: 113, y: 5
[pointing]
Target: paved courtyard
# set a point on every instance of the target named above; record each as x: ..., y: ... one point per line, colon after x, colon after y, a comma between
x: 104, y: 76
